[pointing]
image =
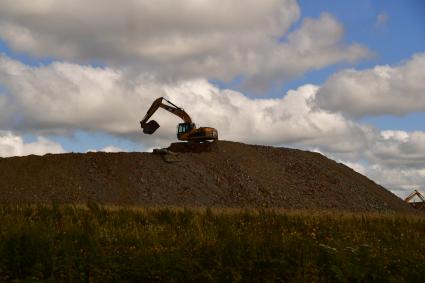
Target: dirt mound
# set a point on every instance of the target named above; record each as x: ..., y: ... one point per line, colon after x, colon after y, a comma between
x: 223, y: 174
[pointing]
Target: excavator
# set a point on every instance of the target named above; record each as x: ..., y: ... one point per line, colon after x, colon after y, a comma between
x: 186, y: 131
x: 418, y: 204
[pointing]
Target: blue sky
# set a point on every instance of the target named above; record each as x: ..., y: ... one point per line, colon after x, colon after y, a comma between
x: 402, y: 35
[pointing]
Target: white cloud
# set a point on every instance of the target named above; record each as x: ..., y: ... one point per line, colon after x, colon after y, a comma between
x: 382, y: 90
x: 286, y: 120
x: 184, y: 39
x: 13, y: 145
x: 112, y: 148
x: 394, y: 159
x: 62, y: 97
x: 399, y: 149
x: 109, y: 148
x: 401, y: 181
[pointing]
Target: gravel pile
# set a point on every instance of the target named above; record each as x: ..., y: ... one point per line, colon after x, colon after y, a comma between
x: 221, y: 174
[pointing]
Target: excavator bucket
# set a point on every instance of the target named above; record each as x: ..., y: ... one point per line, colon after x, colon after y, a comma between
x: 150, y: 127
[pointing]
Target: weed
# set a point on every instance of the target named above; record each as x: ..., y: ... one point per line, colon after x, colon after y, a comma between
x: 95, y: 243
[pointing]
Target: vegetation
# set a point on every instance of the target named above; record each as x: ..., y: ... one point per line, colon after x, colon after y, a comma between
x: 98, y: 244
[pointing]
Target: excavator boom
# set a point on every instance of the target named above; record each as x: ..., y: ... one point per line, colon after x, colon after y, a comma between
x: 413, y: 194
x: 151, y: 126
x: 416, y: 204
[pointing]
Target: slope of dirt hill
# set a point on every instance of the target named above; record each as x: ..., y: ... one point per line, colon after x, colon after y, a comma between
x: 221, y: 174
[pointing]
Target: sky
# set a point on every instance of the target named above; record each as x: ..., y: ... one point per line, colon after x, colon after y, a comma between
x: 343, y: 78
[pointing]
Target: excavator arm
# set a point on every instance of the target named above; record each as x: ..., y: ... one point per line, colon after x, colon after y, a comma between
x: 413, y: 194
x: 151, y: 126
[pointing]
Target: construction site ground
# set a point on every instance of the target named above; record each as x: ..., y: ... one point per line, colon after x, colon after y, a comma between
x: 220, y: 174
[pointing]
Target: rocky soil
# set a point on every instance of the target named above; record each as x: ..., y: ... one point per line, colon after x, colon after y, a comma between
x: 221, y: 174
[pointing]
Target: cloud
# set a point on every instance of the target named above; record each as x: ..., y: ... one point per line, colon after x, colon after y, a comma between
x: 13, y: 145
x: 112, y: 148
x: 399, y: 149
x: 183, y: 40
x: 400, y: 181
x: 61, y: 98
x: 382, y: 90
x: 393, y: 159
x: 316, y: 44
x: 109, y: 148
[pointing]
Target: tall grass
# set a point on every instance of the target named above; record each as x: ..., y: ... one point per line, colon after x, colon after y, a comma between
x: 96, y: 244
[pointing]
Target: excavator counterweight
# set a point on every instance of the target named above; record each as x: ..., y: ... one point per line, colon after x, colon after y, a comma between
x: 186, y: 131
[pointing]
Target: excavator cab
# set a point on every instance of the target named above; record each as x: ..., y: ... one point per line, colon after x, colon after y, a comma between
x: 184, y: 128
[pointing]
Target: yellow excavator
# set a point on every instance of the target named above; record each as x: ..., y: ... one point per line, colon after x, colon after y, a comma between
x: 416, y: 204
x: 186, y: 131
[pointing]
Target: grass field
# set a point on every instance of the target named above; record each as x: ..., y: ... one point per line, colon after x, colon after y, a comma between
x: 97, y: 244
